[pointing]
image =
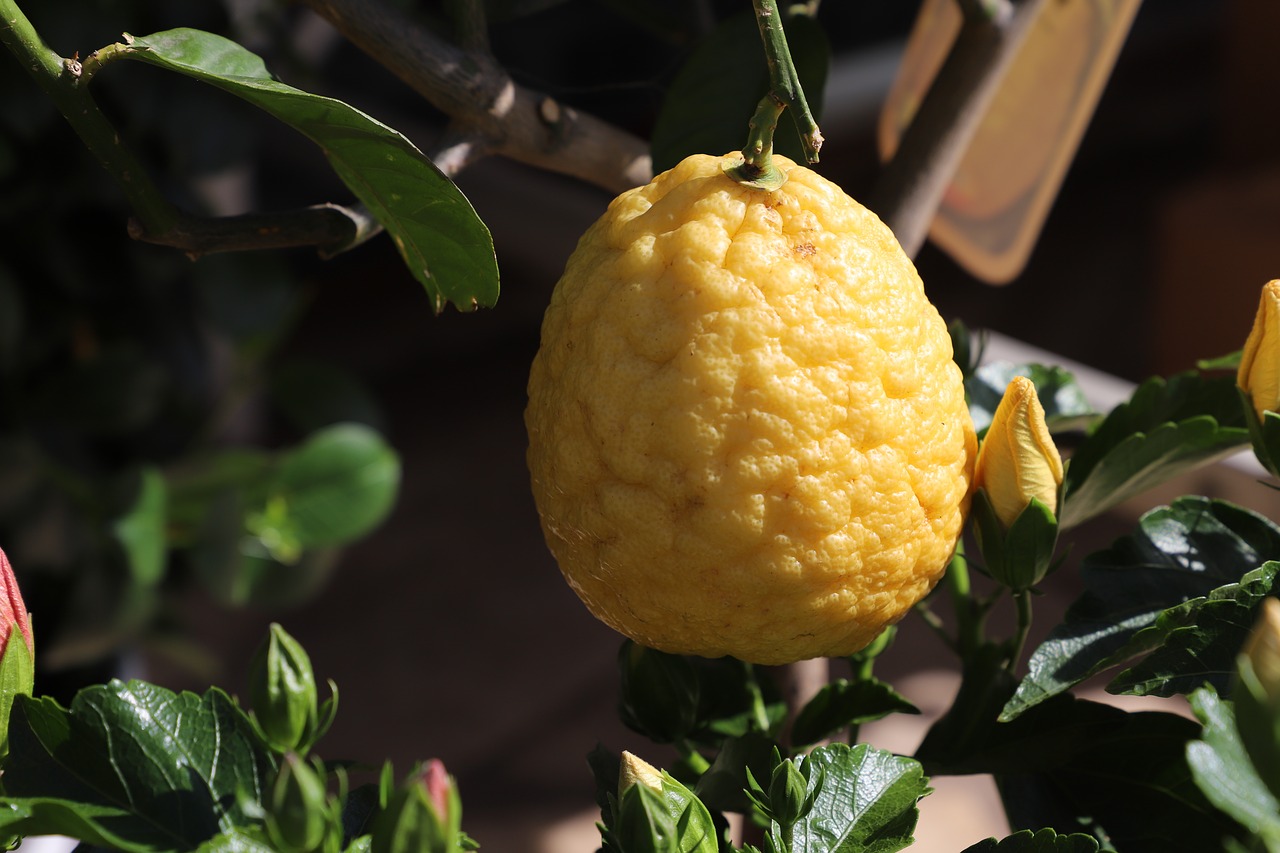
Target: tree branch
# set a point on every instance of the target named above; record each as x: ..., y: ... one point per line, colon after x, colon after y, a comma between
x: 909, y: 189
x: 479, y: 95
x: 331, y: 228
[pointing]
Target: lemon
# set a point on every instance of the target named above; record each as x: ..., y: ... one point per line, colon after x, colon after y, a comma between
x: 747, y: 435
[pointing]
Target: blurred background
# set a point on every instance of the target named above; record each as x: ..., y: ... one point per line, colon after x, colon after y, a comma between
x: 448, y: 629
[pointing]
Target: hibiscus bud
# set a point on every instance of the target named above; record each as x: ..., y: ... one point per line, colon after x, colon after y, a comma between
x: 424, y: 815
x: 1018, y: 460
x: 282, y: 690
x: 634, y: 770
x: 789, y: 794
x: 1257, y: 694
x: 657, y: 814
x: 1259, y: 373
x: 298, y: 814
x: 17, y: 659
x: 1262, y: 648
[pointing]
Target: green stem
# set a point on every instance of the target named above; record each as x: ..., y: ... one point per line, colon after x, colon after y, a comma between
x: 757, y: 698
x: 61, y: 79
x: 968, y: 623
x: 757, y: 168
x: 1022, y: 600
x: 696, y: 761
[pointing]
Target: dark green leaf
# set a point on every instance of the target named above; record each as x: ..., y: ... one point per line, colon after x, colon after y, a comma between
x: 723, y: 786
x: 1044, y: 841
x: 1223, y: 772
x: 132, y: 766
x: 1065, y: 406
x: 445, y: 245
x: 846, y: 703
x: 1178, y: 553
x: 712, y: 99
x: 1070, y: 764
x: 337, y: 486
x: 1166, y: 428
x: 866, y: 803
x: 1197, y: 642
x: 141, y: 530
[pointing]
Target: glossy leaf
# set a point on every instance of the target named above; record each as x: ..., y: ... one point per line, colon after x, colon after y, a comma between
x: 442, y: 241
x: 141, y: 530
x: 867, y: 801
x: 133, y: 766
x: 1197, y: 642
x: 1178, y: 553
x: 1065, y: 406
x: 1223, y: 772
x: 847, y: 703
x: 712, y: 99
x: 1168, y: 427
x: 1043, y: 841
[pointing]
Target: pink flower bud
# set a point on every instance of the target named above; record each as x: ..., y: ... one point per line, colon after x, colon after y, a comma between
x: 436, y: 780
x: 12, y: 610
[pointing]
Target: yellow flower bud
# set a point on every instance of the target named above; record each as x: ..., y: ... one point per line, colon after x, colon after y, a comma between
x: 1018, y: 460
x: 636, y: 770
x: 1262, y: 648
x: 1259, y: 374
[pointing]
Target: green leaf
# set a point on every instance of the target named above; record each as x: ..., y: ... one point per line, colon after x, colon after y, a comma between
x: 1043, y: 841
x: 1168, y: 427
x: 712, y: 99
x: 442, y: 241
x: 724, y: 784
x: 337, y: 486
x: 1070, y: 764
x: 1178, y: 553
x: 1223, y: 772
x: 133, y: 766
x: 846, y: 703
x: 1065, y: 406
x: 866, y: 802
x: 1197, y: 641
x: 141, y: 530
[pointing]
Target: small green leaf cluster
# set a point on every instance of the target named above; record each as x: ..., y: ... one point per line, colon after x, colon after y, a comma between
x: 135, y: 767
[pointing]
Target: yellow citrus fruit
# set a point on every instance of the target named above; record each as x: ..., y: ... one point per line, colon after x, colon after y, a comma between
x: 747, y: 435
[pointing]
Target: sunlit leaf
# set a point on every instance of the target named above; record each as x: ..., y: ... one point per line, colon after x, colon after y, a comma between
x: 1168, y: 427
x: 133, y: 766
x: 1179, y: 553
x: 442, y: 241
x: 1222, y: 770
x: 867, y: 801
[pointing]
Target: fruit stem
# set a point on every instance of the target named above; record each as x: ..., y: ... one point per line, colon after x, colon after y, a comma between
x: 757, y: 169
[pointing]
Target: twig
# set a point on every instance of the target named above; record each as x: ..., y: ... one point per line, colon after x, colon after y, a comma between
x: 482, y: 99
x: 331, y: 228
x: 59, y: 77
x: 909, y: 189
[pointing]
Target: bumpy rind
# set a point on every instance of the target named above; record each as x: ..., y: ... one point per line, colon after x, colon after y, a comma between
x: 747, y: 434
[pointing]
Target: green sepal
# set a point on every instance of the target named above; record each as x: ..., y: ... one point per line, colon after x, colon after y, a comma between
x: 17, y: 677
x: 1264, y: 434
x: 1021, y: 556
